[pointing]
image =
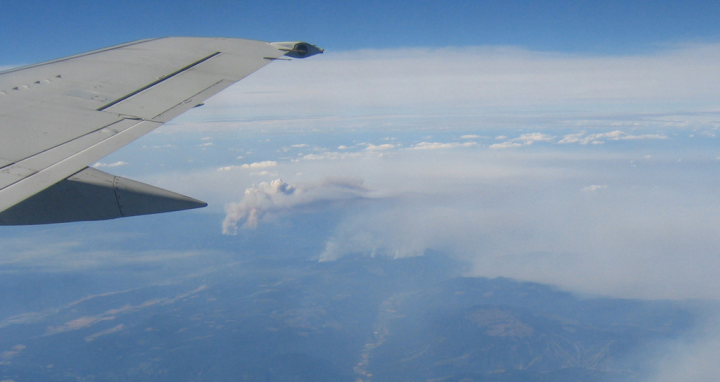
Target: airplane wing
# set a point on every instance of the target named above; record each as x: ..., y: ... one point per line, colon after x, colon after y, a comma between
x: 58, y: 117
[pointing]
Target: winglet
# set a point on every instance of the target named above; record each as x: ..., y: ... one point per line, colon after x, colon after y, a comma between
x: 297, y: 49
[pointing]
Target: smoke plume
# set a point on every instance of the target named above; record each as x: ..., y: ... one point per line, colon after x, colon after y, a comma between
x: 278, y: 197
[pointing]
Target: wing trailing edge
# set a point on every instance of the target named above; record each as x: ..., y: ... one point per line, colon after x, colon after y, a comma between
x: 92, y: 194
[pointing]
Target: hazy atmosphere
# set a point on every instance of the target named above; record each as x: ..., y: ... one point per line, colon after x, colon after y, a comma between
x: 538, y: 178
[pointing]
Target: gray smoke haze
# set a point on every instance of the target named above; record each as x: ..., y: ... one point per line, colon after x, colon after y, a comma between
x: 627, y: 224
x: 278, y: 197
x: 626, y: 218
x: 596, y: 174
x: 691, y: 358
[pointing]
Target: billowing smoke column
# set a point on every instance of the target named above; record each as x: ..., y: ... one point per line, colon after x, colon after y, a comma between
x: 278, y: 196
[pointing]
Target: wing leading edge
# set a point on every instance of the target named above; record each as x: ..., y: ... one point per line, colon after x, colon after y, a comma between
x: 58, y: 117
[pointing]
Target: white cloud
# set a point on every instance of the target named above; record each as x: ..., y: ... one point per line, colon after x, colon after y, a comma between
x: 265, y: 164
x: 386, y: 146
x: 505, y: 145
x: 599, y: 138
x: 440, y: 146
x: 534, y: 137
x: 114, y: 164
x: 573, y: 138
x: 254, y: 165
x: 523, y: 140
x: 330, y: 156
x: 470, y: 136
x: 594, y: 187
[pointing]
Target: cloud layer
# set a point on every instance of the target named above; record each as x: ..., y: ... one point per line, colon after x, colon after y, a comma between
x: 473, y: 87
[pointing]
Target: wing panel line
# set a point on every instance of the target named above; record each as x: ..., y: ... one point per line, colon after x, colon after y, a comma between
x: 31, y: 185
x: 31, y: 165
x: 169, y: 76
x: 120, y: 119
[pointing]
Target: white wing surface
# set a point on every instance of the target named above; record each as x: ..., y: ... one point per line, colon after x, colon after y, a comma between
x: 58, y: 117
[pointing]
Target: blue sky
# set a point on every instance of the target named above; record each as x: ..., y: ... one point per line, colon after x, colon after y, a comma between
x: 39, y: 30
x: 572, y: 143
